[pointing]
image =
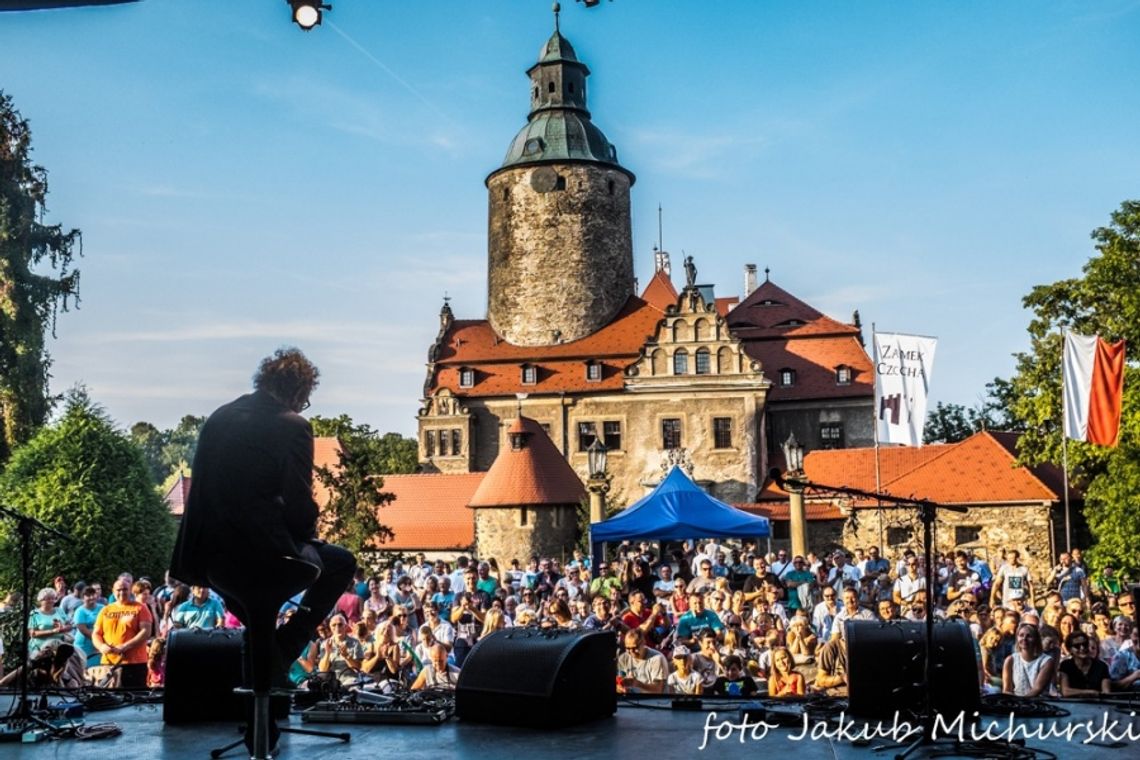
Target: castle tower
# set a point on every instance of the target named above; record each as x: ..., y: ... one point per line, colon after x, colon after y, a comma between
x: 560, y: 257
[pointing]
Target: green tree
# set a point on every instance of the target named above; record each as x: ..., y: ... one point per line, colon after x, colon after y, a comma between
x: 1105, y: 300
x: 949, y: 423
x: 351, y: 515
x: 391, y: 453
x: 29, y: 297
x: 88, y: 480
x: 151, y: 441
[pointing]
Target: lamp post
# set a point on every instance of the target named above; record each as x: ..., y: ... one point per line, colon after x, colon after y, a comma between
x: 597, y: 484
x: 794, y: 462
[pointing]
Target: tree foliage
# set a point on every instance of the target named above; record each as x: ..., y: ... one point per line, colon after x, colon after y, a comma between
x: 390, y: 453
x: 168, y: 452
x: 351, y: 512
x: 88, y: 480
x: 949, y: 423
x: 29, y: 298
x: 1105, y: 300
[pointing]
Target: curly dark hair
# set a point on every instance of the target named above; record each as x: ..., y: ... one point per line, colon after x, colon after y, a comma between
x: 288, y: 376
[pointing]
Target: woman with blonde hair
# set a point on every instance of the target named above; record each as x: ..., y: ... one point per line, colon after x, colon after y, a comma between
x: 783, y: 680
x: 493, y: 621
x: 1028, y: 672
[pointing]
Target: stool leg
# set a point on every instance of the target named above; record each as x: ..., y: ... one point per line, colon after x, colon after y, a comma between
x: 261, y: 725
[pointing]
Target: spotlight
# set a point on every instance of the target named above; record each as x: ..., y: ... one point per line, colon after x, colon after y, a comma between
x: 307, y: 13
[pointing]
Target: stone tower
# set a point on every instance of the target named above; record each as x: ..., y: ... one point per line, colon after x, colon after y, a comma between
x: 560, y: 257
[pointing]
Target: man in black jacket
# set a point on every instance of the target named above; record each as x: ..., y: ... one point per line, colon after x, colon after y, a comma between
x: 252, y: 494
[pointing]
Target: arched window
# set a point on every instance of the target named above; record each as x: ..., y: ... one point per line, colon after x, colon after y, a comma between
x: 681, y: 362
x: 703, y: 363
x: 681, y: 331
x: 660, y: 362
x: 550, y: 87
x: 701, y: 330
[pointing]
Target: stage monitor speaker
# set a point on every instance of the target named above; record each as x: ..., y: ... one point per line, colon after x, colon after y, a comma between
x: 539, y: 678
x: 202, y: 670
x: 885, y: 664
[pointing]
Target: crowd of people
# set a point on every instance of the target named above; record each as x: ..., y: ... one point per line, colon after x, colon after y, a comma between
x: 704, y: 619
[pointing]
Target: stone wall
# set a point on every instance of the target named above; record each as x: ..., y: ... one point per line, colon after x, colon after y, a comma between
x: 560, y: 258
x: 505, y: 533
x: 985, y: 530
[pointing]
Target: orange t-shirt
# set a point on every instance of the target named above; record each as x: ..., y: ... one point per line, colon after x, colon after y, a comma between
x: 118, y: 623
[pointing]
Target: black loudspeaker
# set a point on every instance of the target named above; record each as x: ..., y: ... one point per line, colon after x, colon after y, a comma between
x: 885, y: 663
x: 1136, y: 605
x: 539, y: 678
x: 202, y: 670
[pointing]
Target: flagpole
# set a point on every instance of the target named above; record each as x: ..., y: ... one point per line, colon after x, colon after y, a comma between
x: 1065, y: 450
x: 875, y: 429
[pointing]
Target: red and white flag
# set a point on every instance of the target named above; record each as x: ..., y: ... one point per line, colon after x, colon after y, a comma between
x: 1093, y: 375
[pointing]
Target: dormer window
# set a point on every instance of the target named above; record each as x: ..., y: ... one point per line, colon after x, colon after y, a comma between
x: 842, y: 375
x: 466, y: 377
x: 787, y: 378
x: 593, y: 371
x: 532, y: 147
x: 529, y: 374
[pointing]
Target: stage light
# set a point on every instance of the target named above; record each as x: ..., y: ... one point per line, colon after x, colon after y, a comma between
x: 307, y: 13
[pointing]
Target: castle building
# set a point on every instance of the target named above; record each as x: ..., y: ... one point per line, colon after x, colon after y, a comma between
x: 659, y: 377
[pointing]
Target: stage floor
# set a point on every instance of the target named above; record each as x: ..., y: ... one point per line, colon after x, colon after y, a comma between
x: 633, y: 732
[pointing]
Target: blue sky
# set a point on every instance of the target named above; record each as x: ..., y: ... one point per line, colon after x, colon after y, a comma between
x: 242, y: 185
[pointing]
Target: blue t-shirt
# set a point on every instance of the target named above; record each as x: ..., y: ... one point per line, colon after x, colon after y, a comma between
x: 443, y: 602
x: 690, y: 625
x: 190, y: 615
x: 84, y: 643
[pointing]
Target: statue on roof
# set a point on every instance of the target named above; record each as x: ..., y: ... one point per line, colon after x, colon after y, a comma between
x: 690, y: 272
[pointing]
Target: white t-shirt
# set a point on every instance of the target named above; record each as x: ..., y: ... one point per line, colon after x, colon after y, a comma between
x: 651, y: 670
x: 686, y: 685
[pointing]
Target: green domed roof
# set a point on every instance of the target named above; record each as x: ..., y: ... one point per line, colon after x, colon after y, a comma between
x: 559, y: 128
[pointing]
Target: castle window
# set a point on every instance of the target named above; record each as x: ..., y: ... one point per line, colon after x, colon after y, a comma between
x: 455, y: 443
x: 550, y: 87
x: 787, y: 378
x: 536, y: 93
x: 612, y: 433
x: 506, y: 193
x: 466, y: 377
x: 532, y: 147
x: 444, y: 440
x: 704, y: 366
x: 899, y: 536
x: 967, y: 534
x: 522, y: 517
x: 571, y: 85
x: 722, y: 432
x: 429, y: 443
x: 842, y: 375
x: 529, y: 374
x: 610, y: 186
x: 593, y: 371
x: 670, y: 434
x: 587, y: 434
x: 681, y: 362
x: 560, y: 183
x: 831, y: 435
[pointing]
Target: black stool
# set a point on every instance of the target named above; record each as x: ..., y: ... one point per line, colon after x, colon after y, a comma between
x: 261, y: 590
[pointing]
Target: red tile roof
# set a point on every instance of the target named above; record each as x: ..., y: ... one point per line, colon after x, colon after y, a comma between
x: 430, y: 511
x: 177, y: 495
x: 979, y: 470
x: 782, y: 332
x: 561, y: 367
x: 813, y: 511
x: 660, y: 293
x: 535, y: 474
x: 726, y: 304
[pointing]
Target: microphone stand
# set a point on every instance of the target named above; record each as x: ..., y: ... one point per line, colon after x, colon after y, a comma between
x: 928, y: 513
x: 22, y: 718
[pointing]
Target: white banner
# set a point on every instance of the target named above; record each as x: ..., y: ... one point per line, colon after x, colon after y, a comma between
x: 902, y: 380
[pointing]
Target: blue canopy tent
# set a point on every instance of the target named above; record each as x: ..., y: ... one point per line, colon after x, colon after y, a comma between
x: 677, y: 510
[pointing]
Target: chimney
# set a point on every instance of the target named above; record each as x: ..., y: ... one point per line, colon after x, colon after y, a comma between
x: 749, y: 280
